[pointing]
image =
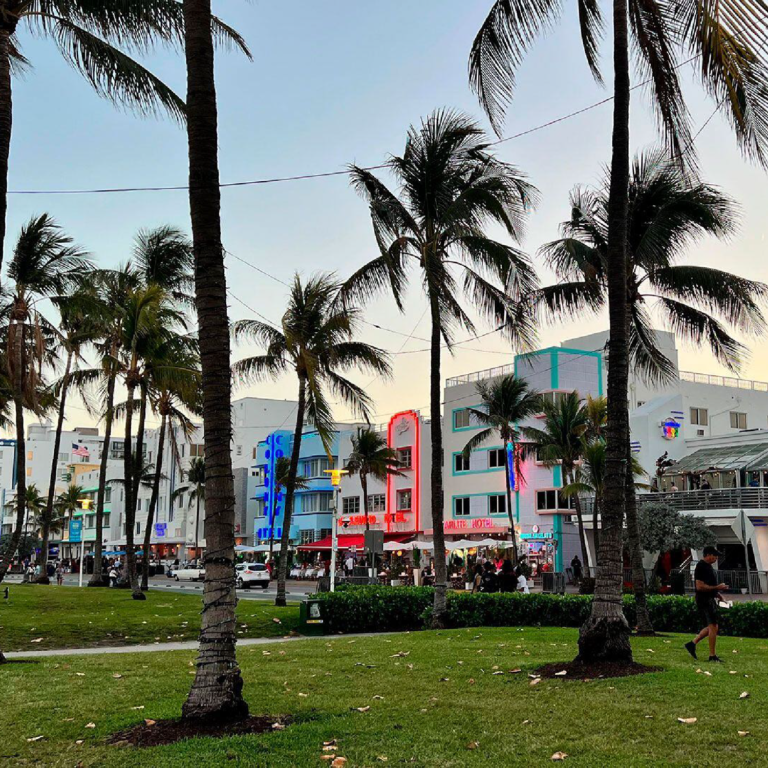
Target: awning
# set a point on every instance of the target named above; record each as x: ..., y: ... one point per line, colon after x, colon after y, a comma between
x: 723, y: 459
x: 258, y: 548
x: 349, y: 540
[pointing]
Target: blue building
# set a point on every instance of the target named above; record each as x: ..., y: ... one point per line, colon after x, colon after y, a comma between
x: 311, y: 518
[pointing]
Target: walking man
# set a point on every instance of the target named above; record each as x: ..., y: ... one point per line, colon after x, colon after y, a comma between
x: 707, y: 595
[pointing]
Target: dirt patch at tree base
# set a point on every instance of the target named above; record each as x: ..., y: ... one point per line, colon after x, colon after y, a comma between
x: 578, y: 670
x: 160, y: 732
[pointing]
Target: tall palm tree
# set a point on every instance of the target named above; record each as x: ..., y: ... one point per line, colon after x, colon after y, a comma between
x: 282, y: 478
x: 44, y: 265
x: 174, y: 382
x: 112, y: 288
x: 559, y: 442
x: 667, y: 214
x: 372, y: 457
x: 75, y: 331
x: 452, y: 188
x: 217, y: 688
x: 99, y: 40
x: 34, y: 502
x: 67, y: 503
x: 506, y: 401
x: 727, y: 39
x: 316, y: 341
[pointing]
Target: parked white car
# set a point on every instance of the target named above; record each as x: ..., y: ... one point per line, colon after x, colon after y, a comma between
x: 252, y: 575
x: 189, y: 574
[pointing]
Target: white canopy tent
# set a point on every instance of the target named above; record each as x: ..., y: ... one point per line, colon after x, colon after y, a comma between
x: 258, y: 548
x: 468, y: 544
x: 394, y: 546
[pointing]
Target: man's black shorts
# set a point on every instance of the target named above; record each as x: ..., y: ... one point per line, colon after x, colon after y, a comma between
x: 708, y: 611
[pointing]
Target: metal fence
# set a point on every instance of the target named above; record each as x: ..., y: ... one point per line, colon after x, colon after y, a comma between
x: 713, y: 499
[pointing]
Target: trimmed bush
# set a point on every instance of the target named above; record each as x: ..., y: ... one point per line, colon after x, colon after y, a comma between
x: 393, y: 609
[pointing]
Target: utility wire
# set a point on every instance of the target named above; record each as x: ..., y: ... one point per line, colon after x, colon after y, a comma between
x: 307, y: 176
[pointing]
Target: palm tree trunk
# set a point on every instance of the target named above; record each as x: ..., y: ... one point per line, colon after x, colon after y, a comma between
x: 198, y: 493
x: 596, y: 525
x: 48, y: 512
x: 130, y: 506
x: 438, y: 535
x: 364, y: 488
x: 282, y: 556
x: 217, y: 689
x: 6, y: 119
x: 580, y: 517
x: 97, y: 580
x: 605, y: 634
x: 21, y: 449
x: 153, y: 505
x: 510, y: 513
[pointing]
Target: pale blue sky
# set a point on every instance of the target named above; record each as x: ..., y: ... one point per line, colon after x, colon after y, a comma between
x: 334, y: 82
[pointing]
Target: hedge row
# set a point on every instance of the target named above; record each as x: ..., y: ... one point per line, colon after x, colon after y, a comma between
x: 390, y: 609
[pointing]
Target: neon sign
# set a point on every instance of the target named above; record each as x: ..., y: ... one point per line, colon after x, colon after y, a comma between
x: 461, y: 525
x: 670, y: 429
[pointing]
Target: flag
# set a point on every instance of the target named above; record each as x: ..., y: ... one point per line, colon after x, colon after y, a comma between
x: 80, y: 450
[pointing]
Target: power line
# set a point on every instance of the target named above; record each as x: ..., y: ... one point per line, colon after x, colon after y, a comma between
x: 308, y: 176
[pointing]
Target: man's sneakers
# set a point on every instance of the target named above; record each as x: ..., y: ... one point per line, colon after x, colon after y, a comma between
x: 716, y: 658
x: 691, y: 648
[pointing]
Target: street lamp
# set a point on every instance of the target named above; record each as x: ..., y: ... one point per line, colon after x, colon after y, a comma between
x: 335, y: 481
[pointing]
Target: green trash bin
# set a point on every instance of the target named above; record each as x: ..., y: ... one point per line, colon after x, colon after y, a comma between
x: 311, y: 617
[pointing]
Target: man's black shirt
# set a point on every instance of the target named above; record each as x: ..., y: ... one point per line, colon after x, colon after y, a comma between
x: 706, y: 573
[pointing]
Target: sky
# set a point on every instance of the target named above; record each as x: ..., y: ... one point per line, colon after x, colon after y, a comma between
x: 333, y: 83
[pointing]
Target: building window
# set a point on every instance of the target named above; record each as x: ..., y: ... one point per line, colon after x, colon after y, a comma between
x: 555, y: 398
x: 376, y: 502
x: 461, y: 463
x: 181, y: 500
x: 325, y: 533
x: 239, y: 450
x: 105, y: 520
x: 90, y: 521
x: 553, y: 500
x: 253, y: 453
x: 461, y: 419
x: 738, y: 420
x: 461, y: 506
x: 700, y: 416
x: 170, y: 513
x: 316, y: 502
x: 351, y: 505
x: 108, y: 494
x: 404, y: 457
x: 183, y: 450
x: 497, y: 458
x: 404, y: 500
x: 197, y: 449
x: 315, y: 467
x: 307, y: 536
x: 497, y: 505
x: 63, y: 457
x: 138, y: 527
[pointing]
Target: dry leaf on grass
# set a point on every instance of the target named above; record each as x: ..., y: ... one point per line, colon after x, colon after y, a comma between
x: 559, y: 756
x: 687, y: 720
x: 743, y: 733
x: 361, y: 709
x: 744, y: 695
x: 339, y: 762
x: 277, y: 621
x: 382, y: 758
x: 378, y: 698
x: 535, y: 681
x: 278, y: 727
x: 147, y: 721
x: 400, y: 654
x: 35, y: 738
x: 139, y: 707
x: 80, y: 674
x: 473, y: 745
x: 303, y: 695
x: 526, y: 722
x: 330, y: 748
x: 37, y: 640
x: 117, y: 676
x: 515, y: 671
x: 90, y: 725
x: 562, y: 673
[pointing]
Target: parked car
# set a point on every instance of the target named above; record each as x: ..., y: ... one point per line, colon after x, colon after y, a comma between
x: 252, y: 575
x: 191, y: 573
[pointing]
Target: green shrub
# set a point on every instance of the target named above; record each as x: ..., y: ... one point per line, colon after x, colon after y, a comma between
x: 391, y: 609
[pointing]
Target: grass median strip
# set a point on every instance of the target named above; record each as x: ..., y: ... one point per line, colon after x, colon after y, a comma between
x: 37, y: 617
x: 452, y: 698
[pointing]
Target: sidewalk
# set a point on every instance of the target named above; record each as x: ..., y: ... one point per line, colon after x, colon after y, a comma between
x: 189, y: 645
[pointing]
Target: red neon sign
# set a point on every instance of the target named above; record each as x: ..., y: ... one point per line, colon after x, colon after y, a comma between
x: 416, y: 465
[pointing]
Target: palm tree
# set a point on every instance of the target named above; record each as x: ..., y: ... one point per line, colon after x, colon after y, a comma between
x: 371, y: 457
x: 506, y: 401
x: 44, y: 264
x: 75, y: 331
x: 728, y: 40
x: 97, y: 40
x: 35, y: 504
x: 559, y: 441
x: 67, y: 503
x: 174, y: 382
x: 195, y: 474
x: 451, y: 189
x: 112, y: 288
x: 316, y: 341
x: 217, y: 688
x: 282, y: 478
x: 667, y: 213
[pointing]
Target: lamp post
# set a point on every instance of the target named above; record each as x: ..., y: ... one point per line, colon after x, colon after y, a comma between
x: 335, y: 481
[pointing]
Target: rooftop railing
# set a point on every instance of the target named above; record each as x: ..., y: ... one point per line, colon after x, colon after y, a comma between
x: 723, y: 381
x: 488, y: 373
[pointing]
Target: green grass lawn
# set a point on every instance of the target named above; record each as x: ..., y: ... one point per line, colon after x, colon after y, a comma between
x: 66, y: 617
x: 426, y: 707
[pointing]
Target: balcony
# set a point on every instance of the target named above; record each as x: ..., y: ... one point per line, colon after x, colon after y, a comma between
x: 713, y: 499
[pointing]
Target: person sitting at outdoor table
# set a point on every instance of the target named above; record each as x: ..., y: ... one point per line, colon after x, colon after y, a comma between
x: 489, y: 581
x: 477, y: 578
x: 428, y: 575
x: 522, y: 584
x: 705, y: 486
x: 507, y: 578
